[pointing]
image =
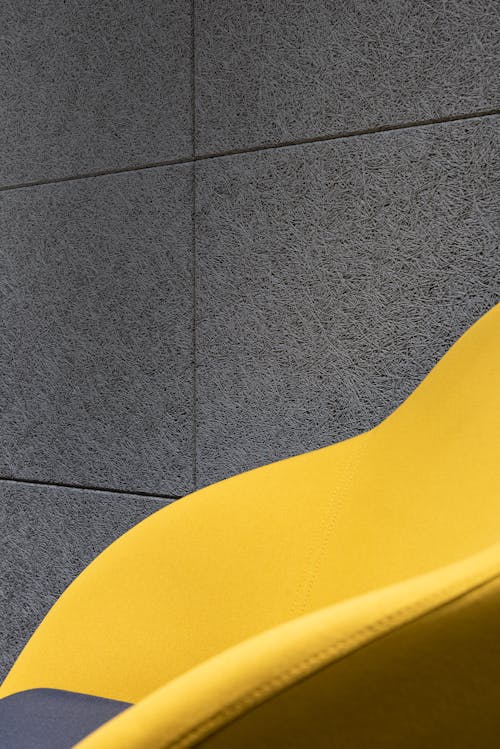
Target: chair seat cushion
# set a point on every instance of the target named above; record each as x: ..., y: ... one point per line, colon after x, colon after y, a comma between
x: 52, y: 718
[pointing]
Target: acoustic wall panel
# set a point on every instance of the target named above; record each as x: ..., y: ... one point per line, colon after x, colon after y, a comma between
x: 268, y: 72
x: 331, y: 277
x: 92, y: 86
x: 96, y: 333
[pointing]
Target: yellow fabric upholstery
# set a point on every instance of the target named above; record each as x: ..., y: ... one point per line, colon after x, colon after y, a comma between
x: 350, y: 594
x: 347, y: 676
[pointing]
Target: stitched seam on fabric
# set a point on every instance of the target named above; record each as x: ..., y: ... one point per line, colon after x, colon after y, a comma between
x: 275, y: 684
x: 335, y: 504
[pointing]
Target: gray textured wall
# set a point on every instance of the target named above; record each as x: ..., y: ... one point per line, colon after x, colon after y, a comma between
x: 230, y: 231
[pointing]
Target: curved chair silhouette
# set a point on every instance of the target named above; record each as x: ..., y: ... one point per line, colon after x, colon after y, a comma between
x: 347, y: 597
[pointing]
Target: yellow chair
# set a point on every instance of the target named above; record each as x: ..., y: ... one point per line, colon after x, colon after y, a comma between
x: 348, y: 597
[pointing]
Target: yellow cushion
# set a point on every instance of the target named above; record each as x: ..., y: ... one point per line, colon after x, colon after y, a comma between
x: 321, y: 553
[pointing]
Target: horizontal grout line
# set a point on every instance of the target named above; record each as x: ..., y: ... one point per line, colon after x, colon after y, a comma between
x: 103, y: 173
x: 350, y: 134
x: 253, y: 149
x: 57, y: 485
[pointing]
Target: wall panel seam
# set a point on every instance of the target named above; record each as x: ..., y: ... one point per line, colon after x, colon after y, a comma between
x: 81, y: 487
x: 394, y: 127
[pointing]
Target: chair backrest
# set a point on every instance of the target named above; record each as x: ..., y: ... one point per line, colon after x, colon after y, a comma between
x: 416, y: 664
x: 419, y: 491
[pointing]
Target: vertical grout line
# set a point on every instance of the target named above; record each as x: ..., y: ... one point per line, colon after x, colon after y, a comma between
x: 193, y: 229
